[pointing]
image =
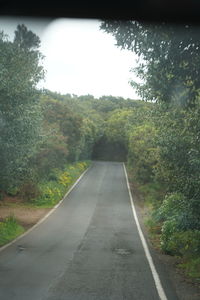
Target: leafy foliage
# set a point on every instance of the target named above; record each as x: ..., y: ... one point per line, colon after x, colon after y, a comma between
x: 19, y: 106
x: 142, y: 152
x: 169, y: 58
x: 183, y: 243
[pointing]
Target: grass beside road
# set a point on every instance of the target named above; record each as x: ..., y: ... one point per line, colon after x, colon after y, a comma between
x: 9, y: 230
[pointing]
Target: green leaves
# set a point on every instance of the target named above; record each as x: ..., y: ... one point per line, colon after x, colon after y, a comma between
x: 169, y: 58
x: 25, y: 38
x: 142, y: 156
x: 20, y: 116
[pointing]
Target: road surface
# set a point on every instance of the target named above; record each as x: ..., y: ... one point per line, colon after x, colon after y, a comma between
x: 88, y: 248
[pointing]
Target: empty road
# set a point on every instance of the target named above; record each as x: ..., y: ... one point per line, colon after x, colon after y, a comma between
x: 87, y: 249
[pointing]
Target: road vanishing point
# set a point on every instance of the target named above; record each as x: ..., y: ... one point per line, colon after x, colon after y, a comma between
x: 89, y: 248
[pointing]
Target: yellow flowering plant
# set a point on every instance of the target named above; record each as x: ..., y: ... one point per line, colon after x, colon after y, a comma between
x: 65, y: 179
x: 60, y: 181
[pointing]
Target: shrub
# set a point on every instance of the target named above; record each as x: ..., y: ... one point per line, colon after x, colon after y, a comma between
x: 168, y: 228
x: 172, y: 205
x: 29, y: 191
x: 142, y: 154
x: 9, y: 230
x: 81, y: 166
x: 185, y: 244
x: 12, y: 190
x: 153, y: 193
x: 54, y: 174
x: 50, y: 193
x: 65, y: 179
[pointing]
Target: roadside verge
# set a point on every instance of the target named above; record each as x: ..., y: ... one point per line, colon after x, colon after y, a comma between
x: 47, y: 215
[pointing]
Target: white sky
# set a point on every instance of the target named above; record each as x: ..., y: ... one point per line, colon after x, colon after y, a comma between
x: 79, y: 58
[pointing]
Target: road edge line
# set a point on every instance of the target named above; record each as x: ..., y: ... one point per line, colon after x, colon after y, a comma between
x: 155, y: 275
x: 47, y: 215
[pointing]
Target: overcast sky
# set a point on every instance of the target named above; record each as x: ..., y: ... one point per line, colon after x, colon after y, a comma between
x: 79, y: 58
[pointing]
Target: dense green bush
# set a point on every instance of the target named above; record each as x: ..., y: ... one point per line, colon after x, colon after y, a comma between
x: 183, y: 243
x: 12, y: 190
x: 142, y: 153
x: 172, y: 205
x: 50, y: 193
x: 169, y: 227
x: 179, y: 157
x: 152, y: 193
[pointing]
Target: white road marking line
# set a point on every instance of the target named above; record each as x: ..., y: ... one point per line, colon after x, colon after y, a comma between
x: 46, y: 216
x: 156, y: 278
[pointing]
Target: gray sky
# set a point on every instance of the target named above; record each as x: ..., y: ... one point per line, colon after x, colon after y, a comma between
x: 79, y: 58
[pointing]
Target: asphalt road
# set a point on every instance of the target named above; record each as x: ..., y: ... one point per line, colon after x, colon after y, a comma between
x: 88, y: 249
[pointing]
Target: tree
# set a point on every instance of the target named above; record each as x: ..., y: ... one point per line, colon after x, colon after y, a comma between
x: 168, y: 57
x: 26, y: 39
x: 118, y: 126
x: 19, y: 106
x: 142, y: 155
x: 179, y: 158
x: 67, y: 124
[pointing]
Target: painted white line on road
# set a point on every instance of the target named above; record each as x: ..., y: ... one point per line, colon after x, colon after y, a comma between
x: 46, y: 216
x: 156, y: 278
